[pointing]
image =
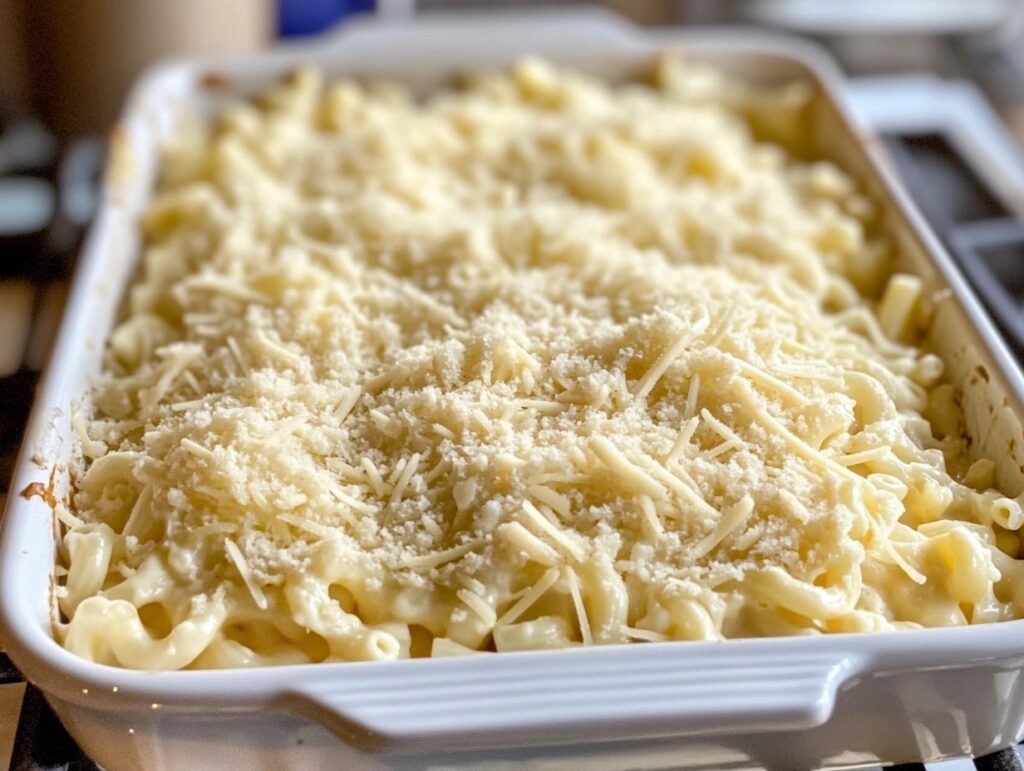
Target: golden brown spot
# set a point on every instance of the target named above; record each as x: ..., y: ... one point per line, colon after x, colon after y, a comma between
x: 41, y: 491
x: 212, y: 81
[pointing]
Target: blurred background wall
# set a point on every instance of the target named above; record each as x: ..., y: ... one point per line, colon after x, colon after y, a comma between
x: 70, y: 62
x: 13, y: 70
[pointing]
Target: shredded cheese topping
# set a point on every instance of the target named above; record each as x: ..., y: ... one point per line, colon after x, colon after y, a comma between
x: 538, y: 362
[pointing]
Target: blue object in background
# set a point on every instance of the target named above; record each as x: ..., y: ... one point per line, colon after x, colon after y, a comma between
x: 304, y: 17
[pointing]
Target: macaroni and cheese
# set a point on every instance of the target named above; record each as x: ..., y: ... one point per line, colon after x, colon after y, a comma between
x: 535, y: 363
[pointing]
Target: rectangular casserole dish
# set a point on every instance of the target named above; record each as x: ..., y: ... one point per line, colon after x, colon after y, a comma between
x: 835, y: 701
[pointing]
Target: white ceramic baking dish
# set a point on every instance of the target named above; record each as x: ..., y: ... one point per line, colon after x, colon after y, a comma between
x: 807, y: 702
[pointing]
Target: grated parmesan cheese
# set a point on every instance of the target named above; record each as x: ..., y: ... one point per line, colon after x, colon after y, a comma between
x: 535, y: 357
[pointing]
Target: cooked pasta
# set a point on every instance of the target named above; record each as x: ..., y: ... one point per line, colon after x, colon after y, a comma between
x: 535, y: 363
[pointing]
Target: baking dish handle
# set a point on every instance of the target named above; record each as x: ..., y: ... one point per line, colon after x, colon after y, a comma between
x: 617, y: 693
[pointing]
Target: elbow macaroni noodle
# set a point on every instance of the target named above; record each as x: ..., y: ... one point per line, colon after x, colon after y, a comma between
x: 536, y: 363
